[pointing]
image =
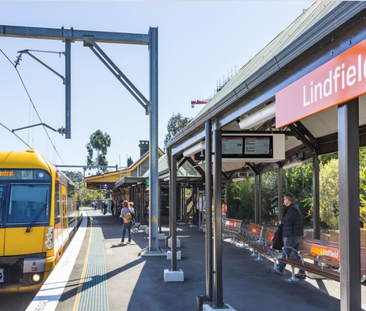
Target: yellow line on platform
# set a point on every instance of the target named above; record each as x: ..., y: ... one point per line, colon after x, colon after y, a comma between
x: 82, y: 277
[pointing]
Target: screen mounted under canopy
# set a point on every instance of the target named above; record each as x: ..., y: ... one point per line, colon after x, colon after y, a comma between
x: 250, y: 147
x: 247, y: 147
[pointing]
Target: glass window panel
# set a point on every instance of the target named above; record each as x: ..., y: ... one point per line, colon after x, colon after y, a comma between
x: 26, y: 201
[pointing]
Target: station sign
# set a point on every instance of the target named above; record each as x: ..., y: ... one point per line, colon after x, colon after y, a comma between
x: 337, y: 81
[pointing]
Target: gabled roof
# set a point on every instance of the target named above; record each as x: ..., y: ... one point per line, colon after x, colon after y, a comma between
x: 109, y: 179
x: 134, y: 165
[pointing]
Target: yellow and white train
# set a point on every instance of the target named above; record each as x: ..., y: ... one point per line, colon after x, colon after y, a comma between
x: 38, y: 217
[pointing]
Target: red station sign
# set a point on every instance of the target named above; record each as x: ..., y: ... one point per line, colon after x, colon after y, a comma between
x: 337, y: 81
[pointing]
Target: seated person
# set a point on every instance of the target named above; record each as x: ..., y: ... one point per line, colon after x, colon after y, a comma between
x: 28, y: 213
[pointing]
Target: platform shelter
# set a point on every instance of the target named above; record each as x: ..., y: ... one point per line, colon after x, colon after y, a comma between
x: 303, y: 96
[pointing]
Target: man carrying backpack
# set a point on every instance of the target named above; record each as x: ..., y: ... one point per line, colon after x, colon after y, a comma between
x: 126, y: 214
x: 293, y: 230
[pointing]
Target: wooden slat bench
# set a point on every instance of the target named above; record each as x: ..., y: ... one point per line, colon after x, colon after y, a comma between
x: 231, y: 227
x: 325, y: 259
x: 252, y: 235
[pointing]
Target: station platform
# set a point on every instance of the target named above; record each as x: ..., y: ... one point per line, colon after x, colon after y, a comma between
x: 106, y: 276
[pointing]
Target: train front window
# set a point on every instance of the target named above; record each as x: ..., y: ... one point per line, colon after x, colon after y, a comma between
x: 29, y: 203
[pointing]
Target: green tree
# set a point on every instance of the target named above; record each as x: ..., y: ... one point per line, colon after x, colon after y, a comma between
x: 129, y: 161
x: 175, y: 124
x: 329, y: 194
x: 99, y: 142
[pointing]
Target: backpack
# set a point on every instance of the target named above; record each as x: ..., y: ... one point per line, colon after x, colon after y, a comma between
x: 127, y: 218
x: 277, y: 242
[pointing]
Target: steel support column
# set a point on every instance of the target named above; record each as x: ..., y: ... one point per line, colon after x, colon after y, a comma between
x: 159, y: 206
x: 280, y: 191
x: 217, y: 185
x: 208, y: 194
x: 349, y: 223
x: 153, y: 152
x: 256, y: 203
x: 259, y: 198
x: 68, y: 88
x: 316, y: 204
x: 173, y: 210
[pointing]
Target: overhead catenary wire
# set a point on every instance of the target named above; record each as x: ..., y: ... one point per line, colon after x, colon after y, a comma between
x: 15, y: 135
x: 34, y: 107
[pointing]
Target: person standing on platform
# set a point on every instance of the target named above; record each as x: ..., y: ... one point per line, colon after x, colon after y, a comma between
x: 223, y: 210
x: 127, y: 223
x: 130, y: 206
x: 293, y: 231
x: 123, y: 205
x: 197, y: 214
x: 104, y: 207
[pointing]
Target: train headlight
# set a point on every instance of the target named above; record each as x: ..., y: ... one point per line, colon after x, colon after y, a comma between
x: 36, y: 278
x: 48, y: 244
x: 49, y: 238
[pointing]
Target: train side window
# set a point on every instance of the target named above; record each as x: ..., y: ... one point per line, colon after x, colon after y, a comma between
x: 57, y: 202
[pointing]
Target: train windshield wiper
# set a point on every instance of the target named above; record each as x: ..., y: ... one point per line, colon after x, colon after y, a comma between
x: 37, y: 216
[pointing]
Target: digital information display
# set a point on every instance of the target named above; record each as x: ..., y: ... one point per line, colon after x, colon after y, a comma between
x: 247, y: 147
x: 231, y: 145
x: 257, y: 145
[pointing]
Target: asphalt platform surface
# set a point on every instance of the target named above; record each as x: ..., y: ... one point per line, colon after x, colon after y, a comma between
x: 136, y: 283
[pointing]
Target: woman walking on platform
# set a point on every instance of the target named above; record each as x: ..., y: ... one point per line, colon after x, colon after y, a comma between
x: 126, y: 215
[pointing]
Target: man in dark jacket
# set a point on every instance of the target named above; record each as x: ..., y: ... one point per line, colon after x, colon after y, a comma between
x: 293, y: 230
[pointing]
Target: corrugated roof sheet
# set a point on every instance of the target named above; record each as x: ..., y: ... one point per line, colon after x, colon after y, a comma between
x: 300, y: 25
x: 325, y: 123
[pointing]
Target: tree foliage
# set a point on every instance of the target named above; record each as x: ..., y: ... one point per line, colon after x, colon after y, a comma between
x: 175, y: 124
x: 99, y: 142
x: 129, y: 161
x: 329, y: 194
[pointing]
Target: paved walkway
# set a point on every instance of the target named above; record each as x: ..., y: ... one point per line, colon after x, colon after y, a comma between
x: 111, y: 277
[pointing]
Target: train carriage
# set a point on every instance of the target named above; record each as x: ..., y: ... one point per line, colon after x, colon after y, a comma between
x: 38, y: 215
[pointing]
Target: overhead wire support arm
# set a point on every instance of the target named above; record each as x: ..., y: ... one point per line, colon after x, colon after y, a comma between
x: 60, y: 130
x: 42, y: 63
x: 89, y: 42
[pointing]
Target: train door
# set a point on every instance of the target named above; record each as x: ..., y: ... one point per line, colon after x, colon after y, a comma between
x: 2, y: 211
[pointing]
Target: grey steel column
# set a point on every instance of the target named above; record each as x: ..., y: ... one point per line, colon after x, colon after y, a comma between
x: 280, y: 192
x: 349, y: 223
x: 173, y: 210
x: 153, y: 152
x: 159, y: 206
x: 256, y: 204
x: 226, y: 190
x: 259, y: 198
x: 217, y: 187
x: 68, y: 88
x: 208, y: 193
x: 316, y: 202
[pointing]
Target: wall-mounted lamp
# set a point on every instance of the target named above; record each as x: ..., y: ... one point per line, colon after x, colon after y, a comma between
x: 194, y: 149
x: 258, y: 118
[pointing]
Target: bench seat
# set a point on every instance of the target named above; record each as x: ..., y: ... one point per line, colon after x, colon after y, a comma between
x: 312, y: 268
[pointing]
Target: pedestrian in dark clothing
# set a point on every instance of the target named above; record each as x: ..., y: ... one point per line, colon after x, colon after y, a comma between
x: 104, y: 207
x: 293, y: 231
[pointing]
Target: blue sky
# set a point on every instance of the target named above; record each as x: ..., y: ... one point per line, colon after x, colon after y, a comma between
x: 200, y: 44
